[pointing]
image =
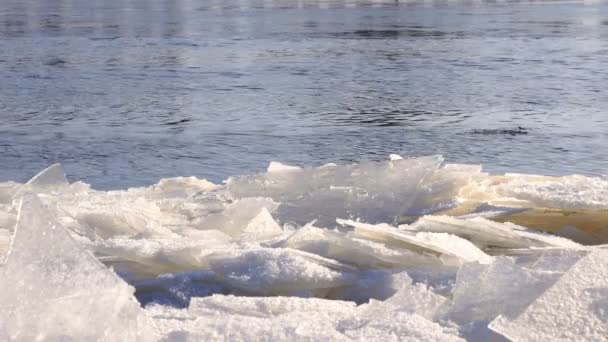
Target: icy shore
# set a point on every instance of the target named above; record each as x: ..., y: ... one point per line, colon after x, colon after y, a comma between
x: 402, y: 250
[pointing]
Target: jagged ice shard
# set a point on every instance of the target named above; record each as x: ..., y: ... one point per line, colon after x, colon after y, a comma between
x: 53, y: 290
x: 400, y: 250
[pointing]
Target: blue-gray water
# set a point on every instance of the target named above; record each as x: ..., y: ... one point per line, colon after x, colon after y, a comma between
x: 126, y: 92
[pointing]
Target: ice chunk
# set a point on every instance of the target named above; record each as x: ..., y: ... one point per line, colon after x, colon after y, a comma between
x: 374, y: 192
x: 488, y: 234
x: 570, y: 192
x: 431, y: 249
x: 52, y: 176
x: 237, y: 215
x: 189, y: 184
x: 279, y: 271
x: 280, y: 167
x: 268, y: 306
x: 107, y: 219
x: 439, y: 190
x: 533, y: 191
x: 482, y: 292
x: 405, y: 316
x: 573, y: 309
x: 153, y: 256
x: 261, y: 227
x: 461, y: 248
x: 363, y: 253
x: 55, y: 290
x: 410, y: 298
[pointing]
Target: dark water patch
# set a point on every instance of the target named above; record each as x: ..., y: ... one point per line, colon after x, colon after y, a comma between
x: 388, y: 33
x: 512, y: 132
x: 55, y: 61
x: 104, y: 38
x: 177, y: 122
x: 380, y: 117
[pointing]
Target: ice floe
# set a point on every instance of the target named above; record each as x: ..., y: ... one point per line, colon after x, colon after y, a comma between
x: 409, y: 249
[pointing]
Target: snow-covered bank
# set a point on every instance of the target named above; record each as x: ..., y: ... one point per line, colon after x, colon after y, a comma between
x: 407, y: 249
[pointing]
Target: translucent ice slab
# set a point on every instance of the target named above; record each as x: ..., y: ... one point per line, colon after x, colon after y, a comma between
x: 573, y: 309
x: 373, y: 192
x: 487, y: 234
x: 54, y: 290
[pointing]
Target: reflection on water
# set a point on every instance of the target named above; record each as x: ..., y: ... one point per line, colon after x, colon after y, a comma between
x: 126, y: 92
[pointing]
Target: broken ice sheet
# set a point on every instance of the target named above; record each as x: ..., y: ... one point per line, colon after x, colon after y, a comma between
x: 439, y: 189
x: 408, y: 297
x: 346, y: 248
x: 505, y: 287
x: 52, y: 289
x: 573, y: 309
x: 149, y: 257
x: 428, y: 249
x: 261, y: 227
x: 237, y: 215
x: 372, y: 191
x: 488, y: 235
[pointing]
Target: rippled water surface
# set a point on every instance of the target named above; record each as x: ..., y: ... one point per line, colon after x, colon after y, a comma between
x: 126, y: 92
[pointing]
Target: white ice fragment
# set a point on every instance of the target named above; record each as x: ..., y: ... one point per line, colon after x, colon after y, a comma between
x: 363, y: 253
x: 280, y: 167
x: 488, y: 234
x: 279, y: 271
x: 185, y: 184
x: 445, y: 249
x: 153, y: 256
x: 408, y: 297
x: 463, y: 249
x: 440, y: 189
x: 113, y: 218
x: 267, y: 306
x: 261, y: 227
x: 372, y: 191
x: 237, y: 215
x: 394, y: 156
x: 52, y: 289
x: 482, y: 292
x: 52, y: 176
x: 569, y: 192
x: 573, y: 309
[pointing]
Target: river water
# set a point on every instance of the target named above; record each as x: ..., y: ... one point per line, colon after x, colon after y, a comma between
x: 126, y: 92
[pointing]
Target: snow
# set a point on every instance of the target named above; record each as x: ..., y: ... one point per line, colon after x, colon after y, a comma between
x: 304, y: 254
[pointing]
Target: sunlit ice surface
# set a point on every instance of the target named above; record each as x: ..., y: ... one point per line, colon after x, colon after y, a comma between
x: 405, y: 249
